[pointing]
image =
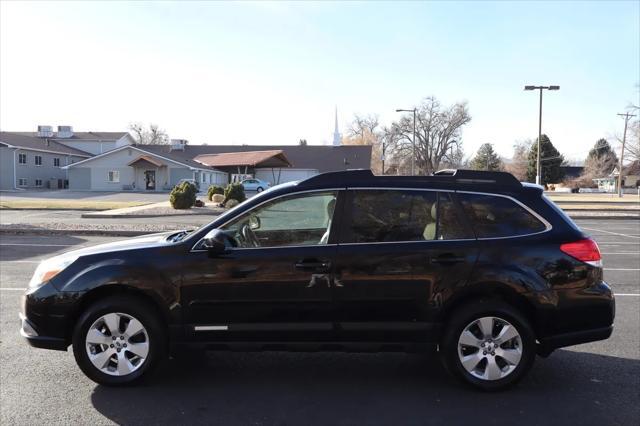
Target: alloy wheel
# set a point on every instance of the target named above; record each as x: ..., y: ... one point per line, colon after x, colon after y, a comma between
x: 117, y: 344
x: 490, y: 348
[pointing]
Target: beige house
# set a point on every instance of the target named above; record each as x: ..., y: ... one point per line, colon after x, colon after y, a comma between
x: 135, y: 168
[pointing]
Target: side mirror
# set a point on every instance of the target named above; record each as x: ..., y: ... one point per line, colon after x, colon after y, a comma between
x: 215, y: 241
x: 254, y: 222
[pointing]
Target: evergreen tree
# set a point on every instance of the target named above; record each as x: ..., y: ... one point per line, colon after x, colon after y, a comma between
x: 550, y: 162
x: 486, y: 159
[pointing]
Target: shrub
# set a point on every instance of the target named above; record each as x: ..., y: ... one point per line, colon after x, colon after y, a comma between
x: 213, y: 190
x: 183, y: 196
x: 231, y: 203
x: 234, y: 191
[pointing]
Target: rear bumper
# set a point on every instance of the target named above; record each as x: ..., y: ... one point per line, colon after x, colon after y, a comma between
x: 551, y: 343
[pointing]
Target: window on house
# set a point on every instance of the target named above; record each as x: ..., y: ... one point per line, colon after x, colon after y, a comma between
x: 56, y: 162
x: 38, y: 182
x: 22, y: 182
x: 113, y: 176
x: 22, y: 158
x: 38, y: 160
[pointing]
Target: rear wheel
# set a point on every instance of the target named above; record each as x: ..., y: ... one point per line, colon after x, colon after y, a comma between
x: 488, y: 344
x: 259, y: 189
x: 118, y: 340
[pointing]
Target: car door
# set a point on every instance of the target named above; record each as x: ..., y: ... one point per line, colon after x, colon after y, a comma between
x: 400, y: 252
x: 274, y: 283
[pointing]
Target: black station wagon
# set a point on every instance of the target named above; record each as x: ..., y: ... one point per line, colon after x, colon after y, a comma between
x: 475, y: 264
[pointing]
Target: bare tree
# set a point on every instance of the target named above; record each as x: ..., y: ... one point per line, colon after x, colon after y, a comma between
x: 517, y: 166
x: 632, y: 149
x: 365, y: 130
x: 153, y: 135
x: 438, y: 131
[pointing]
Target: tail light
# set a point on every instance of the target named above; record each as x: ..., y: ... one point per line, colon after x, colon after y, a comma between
x: 586, y: 251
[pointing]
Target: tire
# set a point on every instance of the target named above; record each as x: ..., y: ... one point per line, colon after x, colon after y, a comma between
x: 259, y: 189
x: 490, y: 365
x: 139, y: 344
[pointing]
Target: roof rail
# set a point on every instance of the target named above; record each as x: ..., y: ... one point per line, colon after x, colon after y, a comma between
x: 346, y: 176
x: 457, y: 176
x: 479, y: 176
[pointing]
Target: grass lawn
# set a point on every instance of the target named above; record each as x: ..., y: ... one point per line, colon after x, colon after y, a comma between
x: 55, y: 204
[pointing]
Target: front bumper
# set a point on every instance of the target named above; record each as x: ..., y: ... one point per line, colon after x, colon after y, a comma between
x: 44, y: 319
x: 30, y: 333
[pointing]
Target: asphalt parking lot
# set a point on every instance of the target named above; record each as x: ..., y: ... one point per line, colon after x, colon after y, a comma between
x: 596, y: 383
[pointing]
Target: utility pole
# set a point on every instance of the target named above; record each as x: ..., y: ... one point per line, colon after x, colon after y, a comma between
x: 413, y: 142
x: 541, y: 88
x: 626, y: 116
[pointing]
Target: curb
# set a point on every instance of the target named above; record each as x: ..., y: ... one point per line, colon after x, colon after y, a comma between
x: 142, y: 216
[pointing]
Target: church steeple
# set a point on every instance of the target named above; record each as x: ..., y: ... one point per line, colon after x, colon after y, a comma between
x: 337, y: 138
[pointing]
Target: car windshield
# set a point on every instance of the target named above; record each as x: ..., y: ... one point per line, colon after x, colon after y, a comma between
x: 257, y: 199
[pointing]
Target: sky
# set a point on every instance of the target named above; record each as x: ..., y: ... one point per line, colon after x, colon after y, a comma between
x: 273, y: 72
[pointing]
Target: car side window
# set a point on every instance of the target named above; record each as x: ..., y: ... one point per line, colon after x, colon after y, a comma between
x: 291, y: 221
x: 390, y: 215
x: 402, y: 215
x: 493, y: 216
x: 450, y: 226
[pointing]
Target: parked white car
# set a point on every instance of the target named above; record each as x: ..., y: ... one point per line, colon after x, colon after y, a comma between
x: 257, y: 185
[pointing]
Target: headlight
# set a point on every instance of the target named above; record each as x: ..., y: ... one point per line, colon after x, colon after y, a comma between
x: 48, y: 269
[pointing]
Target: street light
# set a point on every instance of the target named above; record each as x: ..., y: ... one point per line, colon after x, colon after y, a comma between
x: 541, y: 88
x: 413, y: 142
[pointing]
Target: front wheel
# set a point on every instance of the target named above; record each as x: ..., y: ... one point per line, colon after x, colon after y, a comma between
x: 259, y: 189
x: 488, y: 344
x: 118, y: 340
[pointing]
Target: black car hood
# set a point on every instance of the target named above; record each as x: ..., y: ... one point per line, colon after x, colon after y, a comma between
x: 144, y: 241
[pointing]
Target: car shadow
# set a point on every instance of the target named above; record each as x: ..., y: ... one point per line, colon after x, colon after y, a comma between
x: 363, y: 389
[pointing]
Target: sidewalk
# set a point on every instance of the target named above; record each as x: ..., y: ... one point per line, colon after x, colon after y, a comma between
x: 162, y: 209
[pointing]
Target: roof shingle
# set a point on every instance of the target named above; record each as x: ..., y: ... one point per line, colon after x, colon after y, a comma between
x: 42, y: 144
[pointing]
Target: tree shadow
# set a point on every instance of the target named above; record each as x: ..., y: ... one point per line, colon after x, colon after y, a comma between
x: 362, y: 389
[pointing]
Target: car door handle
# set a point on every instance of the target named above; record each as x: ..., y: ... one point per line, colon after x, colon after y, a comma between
x: 313, y: 265
x: 446, y: 259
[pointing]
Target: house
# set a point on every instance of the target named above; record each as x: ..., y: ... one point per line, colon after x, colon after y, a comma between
x: 33, y: 162
x: 630, y: 178
x: 305, y: 160
x: 160, y: 167
x: 140, y: 168
x: 571, y: 172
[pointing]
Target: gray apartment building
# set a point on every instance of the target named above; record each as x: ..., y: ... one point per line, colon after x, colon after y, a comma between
x: 36, y: 160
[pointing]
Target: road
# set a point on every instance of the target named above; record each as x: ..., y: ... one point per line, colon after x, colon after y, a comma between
x: 596, y: 383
